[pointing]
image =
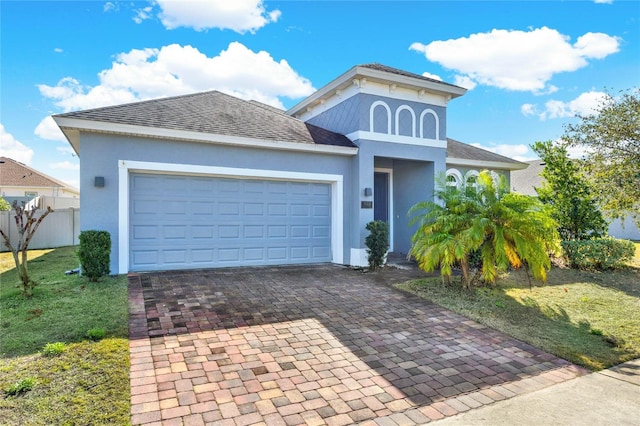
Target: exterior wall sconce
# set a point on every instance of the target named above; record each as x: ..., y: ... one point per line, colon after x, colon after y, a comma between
x: 368, y: 192
x: 98, y: 182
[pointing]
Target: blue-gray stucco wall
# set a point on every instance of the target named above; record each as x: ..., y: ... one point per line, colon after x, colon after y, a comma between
x: 413, y: 168
x: 101, y: 152
x: 353, y: 114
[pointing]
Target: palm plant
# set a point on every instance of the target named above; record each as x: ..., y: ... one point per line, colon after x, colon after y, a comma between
x: 505, y: 229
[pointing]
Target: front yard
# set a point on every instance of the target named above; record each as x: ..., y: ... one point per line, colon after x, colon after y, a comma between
x: 89, y: 382
x: 589, y: 318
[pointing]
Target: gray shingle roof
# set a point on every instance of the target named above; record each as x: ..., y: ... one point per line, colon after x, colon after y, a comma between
x: 391, y: 70
x: 463, y: 151
x: 215, y: 113
x: 525, y: 181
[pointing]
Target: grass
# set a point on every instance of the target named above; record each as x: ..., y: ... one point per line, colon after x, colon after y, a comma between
x: 88, y: 381
x: 589, y: 318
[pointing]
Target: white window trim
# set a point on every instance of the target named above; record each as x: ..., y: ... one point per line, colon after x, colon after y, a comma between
x: 413, y: 120
x: 435, y: 116
x: 457, y: 175
x: 372, y: 109
x: 390, y: 173
x: 125, y: 168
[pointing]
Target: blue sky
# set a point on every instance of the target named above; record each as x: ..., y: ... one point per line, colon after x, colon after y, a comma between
x: 530, y: 67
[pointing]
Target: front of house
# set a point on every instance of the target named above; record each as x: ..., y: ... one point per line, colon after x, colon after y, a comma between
x: 209, y: 180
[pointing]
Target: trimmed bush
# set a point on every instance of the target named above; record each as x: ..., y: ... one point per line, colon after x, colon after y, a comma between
x: 94, y: 254
x: 598, y: 254
x: 377, y: 242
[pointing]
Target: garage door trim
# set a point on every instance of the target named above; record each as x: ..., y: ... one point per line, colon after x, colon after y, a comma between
x: 125, y: 168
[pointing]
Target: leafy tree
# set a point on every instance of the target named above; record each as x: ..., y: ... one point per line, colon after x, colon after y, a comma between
x: 27, y: 223
x: 568, y: 192
x: 612, y: 139
x: 4, y: 205
x: 483, y: 217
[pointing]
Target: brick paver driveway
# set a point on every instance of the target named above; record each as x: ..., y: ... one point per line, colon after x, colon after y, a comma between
x: 313, y: 345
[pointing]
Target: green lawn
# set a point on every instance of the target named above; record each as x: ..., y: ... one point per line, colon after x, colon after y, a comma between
x: 89, y: 382
x: 589, y: 318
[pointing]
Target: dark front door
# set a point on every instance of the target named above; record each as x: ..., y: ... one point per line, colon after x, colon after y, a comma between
x: 381, y: 196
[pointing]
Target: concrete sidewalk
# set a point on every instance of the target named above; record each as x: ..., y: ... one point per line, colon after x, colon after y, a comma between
x: 609, y: 397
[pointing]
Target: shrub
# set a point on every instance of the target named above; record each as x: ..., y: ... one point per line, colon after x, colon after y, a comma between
x: 377, y: 242
x: 599, y: 254
x: 96, y: 334
x: 54, y: 349
x: 20, y: 387
x: 94, y: 253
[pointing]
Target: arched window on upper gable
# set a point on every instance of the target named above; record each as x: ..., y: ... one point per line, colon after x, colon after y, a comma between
x: 380, y: 118
x: 405, y: 121
x: 429, y: 125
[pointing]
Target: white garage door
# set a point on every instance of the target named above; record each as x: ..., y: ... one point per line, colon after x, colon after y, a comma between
x: 182, y: 222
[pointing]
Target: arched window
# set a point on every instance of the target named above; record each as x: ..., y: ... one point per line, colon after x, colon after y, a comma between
x: 471, y: 177
x: 380, y: 118
x: 429, y: 125
x: 405, y: 121
x: 454, y: 178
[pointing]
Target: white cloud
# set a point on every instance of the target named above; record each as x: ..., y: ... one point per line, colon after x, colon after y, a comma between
x: 143, y: 14
x: 48, y: 129
x: 175, y: 70
x: 109, y: 6
x: 66, y: 150
x: 237, y: 15
x: 464, y: 81
x: 603, y: 1
x: 518, y: 152
x: 585, y: 104
x: 65, y: 165
x: 12, y: 148
x: 517, y: 60
x: 58, y: 50
x: 432, y: 76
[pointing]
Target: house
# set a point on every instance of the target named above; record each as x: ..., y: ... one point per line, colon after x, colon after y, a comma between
x: 209, y: 180
x: 22, y: 183
x: 526, y: 181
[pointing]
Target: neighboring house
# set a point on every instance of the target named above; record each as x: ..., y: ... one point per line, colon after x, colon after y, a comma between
x: 22, y: 183
x: 527, y: 180
x: 209, y: 180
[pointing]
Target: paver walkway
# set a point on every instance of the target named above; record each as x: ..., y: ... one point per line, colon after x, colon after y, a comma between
x: 314, y: 345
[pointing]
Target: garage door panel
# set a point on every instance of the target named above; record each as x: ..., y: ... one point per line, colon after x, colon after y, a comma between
x: 179, y: 222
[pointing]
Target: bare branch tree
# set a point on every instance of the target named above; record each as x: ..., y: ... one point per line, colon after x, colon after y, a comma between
x: 27, y: 223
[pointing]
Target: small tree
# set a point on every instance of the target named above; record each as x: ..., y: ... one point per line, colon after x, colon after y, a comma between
x: 505, y: 229
x: 568, y: 193
x: 27, y: 223
x: 377, y: 242
x: 4, y: 205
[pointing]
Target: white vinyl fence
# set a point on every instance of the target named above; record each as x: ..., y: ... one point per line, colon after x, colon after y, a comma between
x: 60, y: 228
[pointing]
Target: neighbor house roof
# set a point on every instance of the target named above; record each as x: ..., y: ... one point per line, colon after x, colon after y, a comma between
x: 16, y: 174
x: 526, y: 181
x: 191, y: 116
x: 459, y: 153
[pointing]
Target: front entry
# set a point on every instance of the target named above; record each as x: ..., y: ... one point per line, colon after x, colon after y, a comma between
x: 381, y: 196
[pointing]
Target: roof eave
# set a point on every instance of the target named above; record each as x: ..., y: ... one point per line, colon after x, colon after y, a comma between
x: 73, y: 126
x: 482, y: 164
